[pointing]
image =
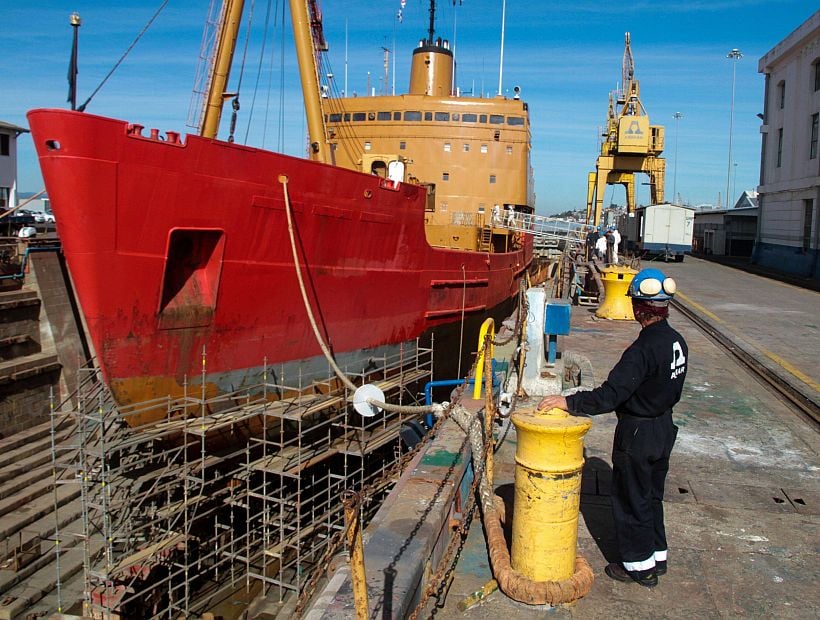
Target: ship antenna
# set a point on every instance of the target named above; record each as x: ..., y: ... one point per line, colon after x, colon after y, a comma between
x: 432, y: 29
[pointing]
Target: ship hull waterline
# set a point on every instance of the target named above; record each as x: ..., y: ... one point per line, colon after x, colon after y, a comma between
x: 178, y: 247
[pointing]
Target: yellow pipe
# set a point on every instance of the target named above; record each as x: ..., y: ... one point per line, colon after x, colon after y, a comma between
x: 487, y: 326
x: 231, y: 16
x: 350, y: 501
x: 549, y: 458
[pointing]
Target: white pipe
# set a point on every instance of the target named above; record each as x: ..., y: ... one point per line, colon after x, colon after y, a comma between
x: 501, y: 60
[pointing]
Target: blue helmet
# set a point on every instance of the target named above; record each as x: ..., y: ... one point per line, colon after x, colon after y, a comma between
x: 652, y: 285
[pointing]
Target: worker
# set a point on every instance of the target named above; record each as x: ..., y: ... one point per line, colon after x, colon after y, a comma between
x: 642, y: 388
x: 592, y: 238
x: 616, y: 236
x: 600, y: 246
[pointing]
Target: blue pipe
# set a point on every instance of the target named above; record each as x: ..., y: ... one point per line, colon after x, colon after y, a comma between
x: 22, y: 274
x: 428, y: 390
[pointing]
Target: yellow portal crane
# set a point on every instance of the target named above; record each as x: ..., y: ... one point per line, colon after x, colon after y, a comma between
x: 629, y: 145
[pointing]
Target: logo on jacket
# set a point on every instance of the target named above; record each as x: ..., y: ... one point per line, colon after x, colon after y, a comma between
x: 678, y: 365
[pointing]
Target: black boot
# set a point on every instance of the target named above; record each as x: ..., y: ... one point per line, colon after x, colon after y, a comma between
x: 647, y: 578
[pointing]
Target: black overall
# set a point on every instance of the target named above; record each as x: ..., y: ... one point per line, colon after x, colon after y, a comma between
x: 642, y: 388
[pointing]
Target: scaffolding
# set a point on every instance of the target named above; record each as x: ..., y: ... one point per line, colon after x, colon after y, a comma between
x: 228, y: 494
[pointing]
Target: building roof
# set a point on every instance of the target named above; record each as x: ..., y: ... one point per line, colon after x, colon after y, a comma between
x: 5, y: 125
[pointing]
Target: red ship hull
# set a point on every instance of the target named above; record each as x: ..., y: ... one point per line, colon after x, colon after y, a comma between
x: 176, y: 247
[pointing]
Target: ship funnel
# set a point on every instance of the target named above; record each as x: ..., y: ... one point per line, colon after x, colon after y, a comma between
x: 432, y: 70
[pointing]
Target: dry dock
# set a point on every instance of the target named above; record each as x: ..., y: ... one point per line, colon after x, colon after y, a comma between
x: 743, y: 493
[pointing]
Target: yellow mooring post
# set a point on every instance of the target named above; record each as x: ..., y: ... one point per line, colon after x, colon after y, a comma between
x: 616, y: 304
x: 351, y: 502
x: 549, y: 458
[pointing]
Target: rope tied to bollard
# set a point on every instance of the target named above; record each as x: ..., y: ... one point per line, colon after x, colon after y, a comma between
x: 511, y: 582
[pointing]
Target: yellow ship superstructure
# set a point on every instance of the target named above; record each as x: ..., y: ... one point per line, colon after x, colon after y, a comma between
x: 473, y: 154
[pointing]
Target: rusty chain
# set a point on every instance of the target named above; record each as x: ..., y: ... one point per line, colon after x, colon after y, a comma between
x: 458, y: 536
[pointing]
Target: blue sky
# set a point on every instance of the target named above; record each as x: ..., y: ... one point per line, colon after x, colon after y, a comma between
x: 565, y: 56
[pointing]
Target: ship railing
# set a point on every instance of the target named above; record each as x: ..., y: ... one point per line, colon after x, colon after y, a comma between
x: 541, y: 227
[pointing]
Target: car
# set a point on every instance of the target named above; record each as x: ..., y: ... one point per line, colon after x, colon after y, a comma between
x: 41, y: 217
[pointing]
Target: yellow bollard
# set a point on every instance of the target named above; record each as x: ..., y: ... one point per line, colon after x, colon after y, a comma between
x: 549, y: 459
x: 616, y: 304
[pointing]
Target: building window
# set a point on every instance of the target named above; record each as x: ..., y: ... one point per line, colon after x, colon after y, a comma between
x: 5, y: 193
x: 781, y: 89
x: 817, y: 75
x: 5, y: 144
x: 466, y: 147
x: 483, y: 148
x: 492, y: 179
x: 779, y: 147
x: 445, y: 176
x: 446, y: 147
x: 808, y: 207
x: 813, y: 144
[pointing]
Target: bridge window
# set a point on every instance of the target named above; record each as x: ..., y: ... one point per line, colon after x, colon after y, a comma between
x: 367, y: 146
x: 469, y: 118
x: 446, y: 147
x: 347, y: 117
x: 396, y: 116
x: 492, y: 179
x: 509, y: 150
x: 445, y: 176
x: 402, y: 145
x: 335, y: 118
x: 384, y: 116
x: 359, y: 116
x: 466, y: 147
x: 442, y: 116
x: 428, y: 116
x: 496, y: 119
x: 515, y: 120
x: 412, y: 116
x: 483, y: 148
x: 482, y: 118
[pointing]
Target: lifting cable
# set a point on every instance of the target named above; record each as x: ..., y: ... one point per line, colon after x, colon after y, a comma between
x: 82, y: 107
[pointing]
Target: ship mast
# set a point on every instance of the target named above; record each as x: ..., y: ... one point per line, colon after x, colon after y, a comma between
x: 225, y: 45
x: 309, y: 74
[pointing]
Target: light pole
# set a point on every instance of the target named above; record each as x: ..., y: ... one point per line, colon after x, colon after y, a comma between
x: 677, y: 116
x: 734, y: 180
x: 734, y: 55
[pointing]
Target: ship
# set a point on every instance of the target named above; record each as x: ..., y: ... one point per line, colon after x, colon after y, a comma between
x: 186, y: 253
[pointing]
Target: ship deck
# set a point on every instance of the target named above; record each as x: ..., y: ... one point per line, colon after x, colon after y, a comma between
x: 743, y: 492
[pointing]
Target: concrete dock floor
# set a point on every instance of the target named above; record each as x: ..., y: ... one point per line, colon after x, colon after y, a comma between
x: 743, y: 493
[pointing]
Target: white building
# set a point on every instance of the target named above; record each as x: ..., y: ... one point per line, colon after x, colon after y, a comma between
x: 788, y: 235
x: 8, y: 163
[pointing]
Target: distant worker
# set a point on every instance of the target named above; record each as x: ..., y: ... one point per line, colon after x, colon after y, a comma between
x: 496, y: 215
x: 592, y: 238
x: 600, y: 246
x: 510, y: 216
x: 642, y: 388
x: 617, y: 237
x: 610, y: 247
